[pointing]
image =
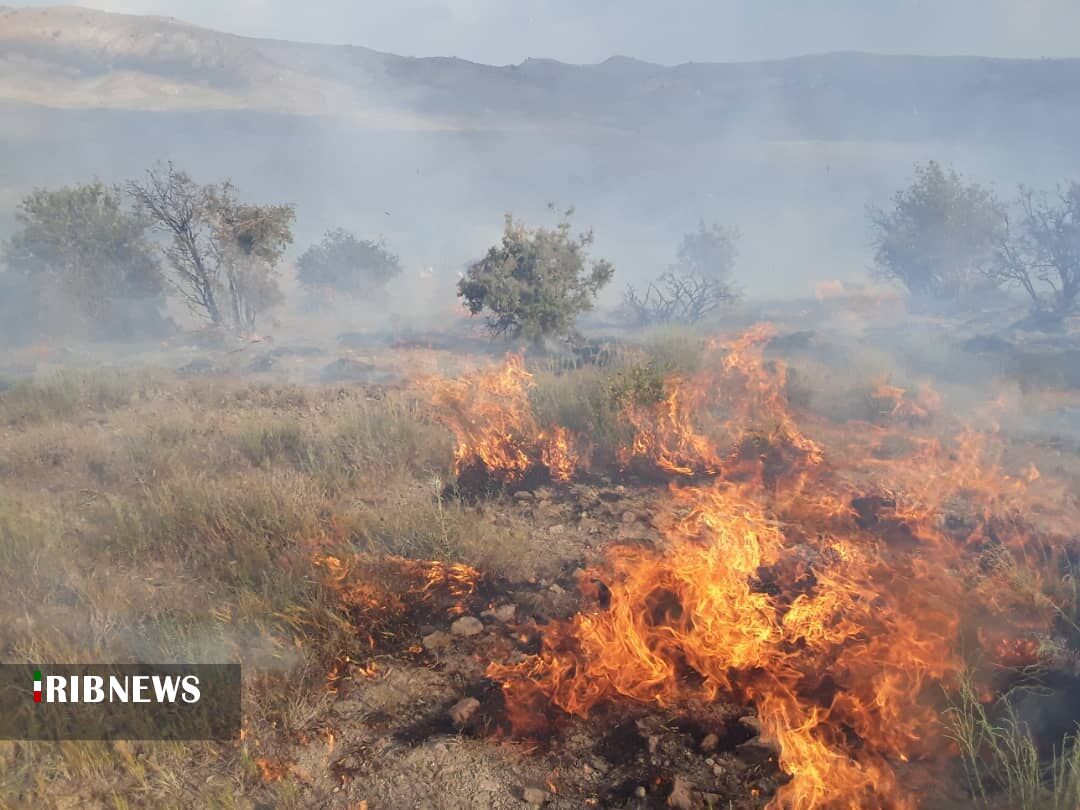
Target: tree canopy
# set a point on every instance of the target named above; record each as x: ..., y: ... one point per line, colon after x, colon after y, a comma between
x: 939, y: 235
x: 82, y: 241
x: 223, y: 253
x: 536, y: 281
x: 1040, y: 252
x: 344, y: 263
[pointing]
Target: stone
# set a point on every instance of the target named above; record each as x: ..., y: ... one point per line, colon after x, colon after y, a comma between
x: 435, y: 641
x: 709, y: 743
x: 523, y: 495
x: 628, y: 517
x: 680, y: 796
x: 505, y: 613
x: 464, y: 709
x: 467, y: 626
x: 534, y: 796
x: 640, y: 792
x: 757, y: 751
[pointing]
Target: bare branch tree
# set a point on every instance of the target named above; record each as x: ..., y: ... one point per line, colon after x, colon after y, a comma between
x: 219, y: 248
x: 677, y: 298
x: 1041, y: 253
x: 178, y: 206
x: 695, y: 286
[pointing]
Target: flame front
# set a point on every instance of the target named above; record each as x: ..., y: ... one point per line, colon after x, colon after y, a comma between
x: 492, y: 421
x: 829, y: 589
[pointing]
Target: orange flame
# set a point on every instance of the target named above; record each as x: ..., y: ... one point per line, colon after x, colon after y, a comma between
x: 491, y: 417
x: 836, y: 612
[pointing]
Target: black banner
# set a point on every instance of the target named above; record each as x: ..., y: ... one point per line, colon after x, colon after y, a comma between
x: 120, y: 702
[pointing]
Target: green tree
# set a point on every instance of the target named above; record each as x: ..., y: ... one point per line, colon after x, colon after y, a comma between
x: 940, y: 234
x: 223, y: 253
x: 1041, y: 252
x: 249, y: 241
x: 709, y: 252
x: 535, y: 282
x: 343, y: 263
x: 81, y: 242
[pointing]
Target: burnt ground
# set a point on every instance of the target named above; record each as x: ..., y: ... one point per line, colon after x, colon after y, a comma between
x: 415, y: 723
x: 420, y: 725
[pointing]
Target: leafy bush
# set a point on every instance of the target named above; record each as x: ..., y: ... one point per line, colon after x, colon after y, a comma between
x: 343, y: 263
x: 939, y: 235
x: 81, y: 243
x: 536, y: 282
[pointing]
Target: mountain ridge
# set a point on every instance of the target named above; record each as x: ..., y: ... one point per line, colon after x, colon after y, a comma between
x: 72, y: 57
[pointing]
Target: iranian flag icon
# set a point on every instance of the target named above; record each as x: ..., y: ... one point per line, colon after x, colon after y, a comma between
x: 37, y: 686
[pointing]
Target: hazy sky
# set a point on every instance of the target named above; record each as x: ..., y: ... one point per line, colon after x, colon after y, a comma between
x: 668, y: 31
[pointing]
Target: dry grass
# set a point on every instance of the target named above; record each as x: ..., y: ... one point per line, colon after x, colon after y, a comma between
x: 143, y: 517
x: 147, y: 517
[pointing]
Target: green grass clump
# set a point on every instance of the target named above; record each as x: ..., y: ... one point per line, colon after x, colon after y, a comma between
x: 1000, y: 757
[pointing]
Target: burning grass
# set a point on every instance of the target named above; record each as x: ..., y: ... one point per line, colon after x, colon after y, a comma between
x: 845, y: 581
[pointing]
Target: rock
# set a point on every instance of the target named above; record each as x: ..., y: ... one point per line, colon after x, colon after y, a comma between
x: 557, y: 589
x: 557, y: 529
x: 708, y: 745
x: 757, y: 751
x: 467, y: 626
x: 523, y: 495
x: 628, y: 517
x: 752, y: 722
x: 534, y: 796
x: 435, y: 641
x: 761, y: 748
x: 599, y: 764
x: 461, y: 711
x: 505, y: 613
x: 680, y: 796
x: 640, y: 792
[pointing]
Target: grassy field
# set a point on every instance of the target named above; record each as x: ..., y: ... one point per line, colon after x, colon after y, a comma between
x: 150, y: 517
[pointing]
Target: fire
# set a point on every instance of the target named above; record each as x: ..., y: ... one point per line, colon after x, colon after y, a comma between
x: 381, y: 596
x: 822, y: 573
x: 834, y: 609
x: 271, y: 770
x: 846, y: 653
x: 491, y: 418
x: 734, y: 399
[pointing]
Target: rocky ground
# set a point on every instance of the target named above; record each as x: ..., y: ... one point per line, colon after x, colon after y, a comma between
x: 420, y: 726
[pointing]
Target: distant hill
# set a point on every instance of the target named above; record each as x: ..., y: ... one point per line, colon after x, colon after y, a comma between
x: 430, y: 151
x: 74, y: 57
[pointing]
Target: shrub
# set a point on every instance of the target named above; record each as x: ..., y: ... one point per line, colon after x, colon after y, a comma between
x: 536, y: 282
